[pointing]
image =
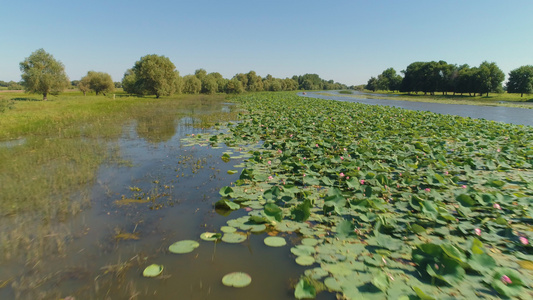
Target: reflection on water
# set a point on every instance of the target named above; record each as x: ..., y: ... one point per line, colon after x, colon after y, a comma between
x: 512, y: 115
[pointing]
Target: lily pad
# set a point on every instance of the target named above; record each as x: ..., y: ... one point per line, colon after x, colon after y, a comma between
x: 236, y: 279
x: 305, y: 260
x: 234, y: 238
x: 185, y: 246
x: 210, y: 236
x: 152, y: 270
x: 275, y: 241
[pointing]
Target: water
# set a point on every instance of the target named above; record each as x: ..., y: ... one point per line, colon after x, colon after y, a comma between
x: 511, y: 115
x: 108, y: 245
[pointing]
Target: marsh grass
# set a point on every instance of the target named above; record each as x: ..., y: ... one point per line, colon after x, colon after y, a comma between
x: 50, y: 152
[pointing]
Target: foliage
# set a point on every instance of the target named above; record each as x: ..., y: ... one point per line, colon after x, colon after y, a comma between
x: 99, y: 82
x: 191, y: 84
x: 431, y: 77
x: 521, y: 80
x: 152, y: 75
x: 43, y: 74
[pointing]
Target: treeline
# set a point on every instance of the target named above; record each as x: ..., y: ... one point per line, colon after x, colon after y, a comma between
x: 157, y: 75
x: 11, y: 85
x: 432, y: 77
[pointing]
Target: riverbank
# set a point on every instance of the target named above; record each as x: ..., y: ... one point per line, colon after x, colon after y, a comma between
x: 505, y: 100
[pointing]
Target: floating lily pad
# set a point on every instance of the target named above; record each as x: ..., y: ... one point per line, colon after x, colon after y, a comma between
x: 236, y: 279
x: 234, y: 238
x: 152, y: 270
x: 185, y: 246
x: 309, y: 241
x: 305, y: 260
x: 228, y: 229
x: 210, y: 236
x: 275, y: 241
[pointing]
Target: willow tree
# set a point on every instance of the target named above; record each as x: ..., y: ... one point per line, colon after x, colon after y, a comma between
x: 43, y: 74
x: 153, y: 75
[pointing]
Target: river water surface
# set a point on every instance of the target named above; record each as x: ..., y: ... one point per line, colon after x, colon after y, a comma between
x: 512, y: 115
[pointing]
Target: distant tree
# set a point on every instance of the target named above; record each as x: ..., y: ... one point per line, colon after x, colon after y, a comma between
x: 521, y: 80
x: 43, y: 74
x: 234, y: 86
x: 74, y: 83
x: 84, y: 85
x: 490, y: 77
x: 129, y: 82
x: 388, y: 80
x: 200, y: 74
x: 117, y: 84
x: 154, y: 75
x: 254, y: 82
x: 191, y: 84
x: 372, y: 84
x: 99, y: 82
x: 209, y: 85
x: 289, y: 84
x: 12, y: 85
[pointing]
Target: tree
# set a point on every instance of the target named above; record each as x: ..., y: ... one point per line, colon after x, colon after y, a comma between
x: 490, y: 77
x: 99, y: 82
x: 521, y: 80
x: 128, y: 82
x: 43, y: 74
x: 234, y: 86
x: 154, y: 75
x: 372, y: 84
x: 191, y: 84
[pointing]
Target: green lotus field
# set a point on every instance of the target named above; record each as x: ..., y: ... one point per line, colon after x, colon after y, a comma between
x: 385, y: 203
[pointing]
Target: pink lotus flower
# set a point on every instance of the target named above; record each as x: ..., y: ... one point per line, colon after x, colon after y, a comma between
x: 270, y: 177
x: 341, y: 174
x: 342, y: 158
x: 523, y: 240
x: 477, y: 231
x: 269, y: 162
x: 427, y: 189
x: 316, y: 145
x: 464, y: 186
x: 506, y: 280
x: 497, y: 206
x: 362, y: 181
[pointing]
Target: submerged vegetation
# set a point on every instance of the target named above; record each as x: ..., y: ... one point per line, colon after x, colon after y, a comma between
x: 386, y: 203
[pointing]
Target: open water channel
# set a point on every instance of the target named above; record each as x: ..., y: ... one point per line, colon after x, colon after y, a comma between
x: 511, y: 115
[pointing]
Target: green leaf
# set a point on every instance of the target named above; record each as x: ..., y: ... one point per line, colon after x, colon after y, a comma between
x: 421, y: 294
x: 272, y: 210
x: 275, y: 241
x: 226, y: 191
x: 153, y: 270
x: 210, y: 236
x: 184, y: 246
x: 304, y: 290
x: 381, y: 281
x: 345, y: 228
x: 237, y: 279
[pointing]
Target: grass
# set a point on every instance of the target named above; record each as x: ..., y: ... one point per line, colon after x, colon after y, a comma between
x: 51, y: 150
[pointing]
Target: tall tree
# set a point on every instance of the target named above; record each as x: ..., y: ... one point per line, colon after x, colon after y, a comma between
x: 521, y: 80
x: 43, y: 74
x: 155, y: 75
x: 490, y: 77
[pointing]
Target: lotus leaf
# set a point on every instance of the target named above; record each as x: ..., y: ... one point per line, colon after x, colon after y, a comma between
x: 236, y: 279
x: 184, y: 246
x: 275, y: 241
x: 153, y: 270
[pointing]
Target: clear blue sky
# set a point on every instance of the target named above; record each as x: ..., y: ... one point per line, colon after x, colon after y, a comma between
x: 347, y: 41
